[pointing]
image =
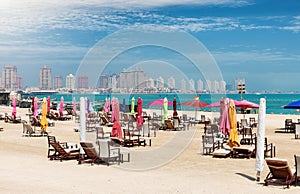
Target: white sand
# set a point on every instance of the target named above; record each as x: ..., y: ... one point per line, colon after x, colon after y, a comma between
x: 25, y: 168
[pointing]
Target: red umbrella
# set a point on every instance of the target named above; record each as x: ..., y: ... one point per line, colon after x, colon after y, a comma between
x: 159, y: 102
x: 175, y: 114
x: 195, y: 103
x: 139, y: 120
x: 48, y: 104
x: 116, y: 128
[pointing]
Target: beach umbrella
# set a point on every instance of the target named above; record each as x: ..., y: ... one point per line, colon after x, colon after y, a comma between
x: 139, y: 120
x: 159, y: 102
x: 14, y: 110
x: 175, y: 114
x: 293, y: 105
x: 61, y: 106
x: 44, y: 121
x: 165, y: 115
x: 233, y: 134
x: 113, y: 110
x: 260, y: 156
x: 196, y: 103
x: 82, y: 122
x: 224, y: 120
x: 74, y: 106
x: 35, y: 107
x: 116, y: 128
x: 132, y: 106
x: 107, y: 105
x: 48, y: 104
x: 124, y: 105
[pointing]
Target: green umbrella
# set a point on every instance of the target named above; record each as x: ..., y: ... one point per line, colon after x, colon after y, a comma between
x: 132, y: 106
x: 165, y: 116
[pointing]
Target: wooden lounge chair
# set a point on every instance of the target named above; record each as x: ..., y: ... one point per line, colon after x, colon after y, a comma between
x: 280, y: 172
x: 248, y: 137
x: 105, y: 121
x: 61, y: 153
x: 91, y: 155
x: 52, y: 139
x: 133, y: 138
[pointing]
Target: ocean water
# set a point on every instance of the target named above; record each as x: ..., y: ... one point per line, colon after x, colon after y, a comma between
x: 274, y: 101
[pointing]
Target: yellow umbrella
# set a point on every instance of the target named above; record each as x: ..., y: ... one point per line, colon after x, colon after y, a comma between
x: 44, y: 121
x: 233, y: 135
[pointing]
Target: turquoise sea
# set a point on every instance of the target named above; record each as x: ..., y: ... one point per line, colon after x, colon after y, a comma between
x: 274, y: 101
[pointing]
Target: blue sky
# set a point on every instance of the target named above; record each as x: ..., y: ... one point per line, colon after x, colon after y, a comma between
x: 253, y: 39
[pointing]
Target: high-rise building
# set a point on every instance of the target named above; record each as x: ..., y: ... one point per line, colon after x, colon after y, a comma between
x: 208, y: 86
x: 171, y: 82
x: 70, y: 82
x: 19, y: 82
x: 132, y: 79
x: 83, y: 82
x: 160, y: 82
x: 183, y: 86
x: 9, y: 77
x: 150, y: 83
x: 114, y: 82
x: 57, y: 82
x: 103, y: 81
x: 45, y: 78
x: 215, y: 87
x: 200, y: 85
x: 222, y: 86
x: 192, y: 85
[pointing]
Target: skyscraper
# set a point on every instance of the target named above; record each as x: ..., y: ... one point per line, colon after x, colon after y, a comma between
x: 9, y: 77
x: 200, y: 87
x: 132, y: 79
x: 45, y: 78
x: 160, y: 82
x: 183, y: 86
x: 103, y: 81
x: 57, y: 82
x: 70, y: 82
x: 171, y: 82
x: 192, y: 85
x: 83, y: 82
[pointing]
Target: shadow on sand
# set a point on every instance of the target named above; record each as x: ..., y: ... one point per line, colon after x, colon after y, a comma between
x: 246, y: 176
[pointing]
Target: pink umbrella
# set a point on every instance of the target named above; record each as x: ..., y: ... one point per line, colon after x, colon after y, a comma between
x: 107, y: 105
x: 35, y: 107
x: 139, y: 120
x: 113, y: 110
x: 241, y: 104
x: 116, y: 129
x: 61, y: 106
x: 14, y: 103
x: 159, y: 102
x: 225, y: 125
x: 48, y: 104
x: 175, y: 114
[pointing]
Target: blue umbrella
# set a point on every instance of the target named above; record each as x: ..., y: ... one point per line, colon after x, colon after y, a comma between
x: 123, y: 105
x: 293, y: 105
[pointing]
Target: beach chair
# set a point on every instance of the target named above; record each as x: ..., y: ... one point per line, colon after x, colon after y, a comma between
x: 105, y: 121
x: 100, y: 134
x: 52, y: 139
x: 289, y: 126
x: 90, y: 156
x: 177, y: 124
x: 280, y: 172
x: 269, y: 148
x: 63, y: 154
x: 248, y: 137
x: 297, y: 130
x: 209, y: 145
x: 169, y: 125
x: 297, y: 167
x: 31, y: 132
x: 132, y: 139
x: 108, y: 153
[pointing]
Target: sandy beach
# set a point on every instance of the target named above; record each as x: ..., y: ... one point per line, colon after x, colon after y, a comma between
x: 25, y: 168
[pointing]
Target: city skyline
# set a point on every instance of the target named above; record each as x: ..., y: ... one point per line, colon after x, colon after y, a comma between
x: 250, y: 39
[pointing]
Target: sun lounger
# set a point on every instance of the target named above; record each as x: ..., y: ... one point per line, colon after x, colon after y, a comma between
x: 63, y: 154
x: 91, y: 155
x: 280, y: 172
x: 242, y: 152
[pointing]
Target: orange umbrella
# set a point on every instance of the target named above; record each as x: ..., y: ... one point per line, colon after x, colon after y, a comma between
x: 233, y: 135
x: 44, y: 121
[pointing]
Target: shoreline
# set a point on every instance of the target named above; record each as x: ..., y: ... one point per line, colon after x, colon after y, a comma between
x: 24, y: 163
